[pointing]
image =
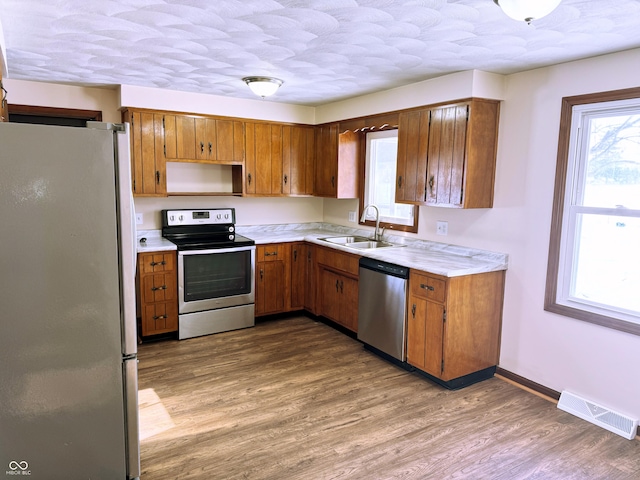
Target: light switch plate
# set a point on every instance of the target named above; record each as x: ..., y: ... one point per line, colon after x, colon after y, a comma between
x: 352, y: 216
x: 139, y: 219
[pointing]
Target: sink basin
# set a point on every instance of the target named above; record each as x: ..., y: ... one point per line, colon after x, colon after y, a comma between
x: 344, y: 240
x: 360, y: 243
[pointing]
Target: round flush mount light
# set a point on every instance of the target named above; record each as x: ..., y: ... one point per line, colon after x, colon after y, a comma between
x: 263, y: 86
x: 527, y: 10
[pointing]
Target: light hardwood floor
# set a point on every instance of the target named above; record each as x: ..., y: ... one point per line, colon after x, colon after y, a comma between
x: 295, y: 399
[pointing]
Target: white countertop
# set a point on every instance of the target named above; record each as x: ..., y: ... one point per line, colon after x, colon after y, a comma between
x: 434, y: 257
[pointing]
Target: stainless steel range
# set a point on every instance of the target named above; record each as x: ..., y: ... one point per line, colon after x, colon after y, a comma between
x: 215, y: 271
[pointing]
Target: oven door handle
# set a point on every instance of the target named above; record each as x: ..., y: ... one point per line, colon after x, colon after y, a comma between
x: 216, y: 250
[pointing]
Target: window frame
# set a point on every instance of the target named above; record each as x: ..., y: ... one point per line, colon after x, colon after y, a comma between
x: 559, y: 212
x: 363, y: 182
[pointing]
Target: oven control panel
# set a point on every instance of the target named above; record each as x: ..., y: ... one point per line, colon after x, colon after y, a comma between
x: 213, y: 216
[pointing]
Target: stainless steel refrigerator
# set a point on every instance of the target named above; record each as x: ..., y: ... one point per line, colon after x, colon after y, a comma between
x: 68, y: 366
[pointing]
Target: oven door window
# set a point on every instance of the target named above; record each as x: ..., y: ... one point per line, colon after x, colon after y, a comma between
x: 219, y: 275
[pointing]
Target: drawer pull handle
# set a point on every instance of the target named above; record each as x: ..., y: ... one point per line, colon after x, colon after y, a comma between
x: 153, y: 264
x: 163, y: 287
x: 159, y: 317
x: 428, y: 287
x: 271, y: 254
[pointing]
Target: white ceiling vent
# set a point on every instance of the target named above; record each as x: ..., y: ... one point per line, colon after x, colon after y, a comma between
x: 598, y: 415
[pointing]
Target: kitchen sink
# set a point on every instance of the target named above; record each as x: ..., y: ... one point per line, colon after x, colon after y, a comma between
x: 346, y: 239
x: 360, y: 243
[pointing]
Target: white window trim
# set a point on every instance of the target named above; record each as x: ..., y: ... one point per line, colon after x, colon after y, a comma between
x: 370, y: 178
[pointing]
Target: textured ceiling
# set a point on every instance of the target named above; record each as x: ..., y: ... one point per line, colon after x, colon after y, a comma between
x: 324, y: 50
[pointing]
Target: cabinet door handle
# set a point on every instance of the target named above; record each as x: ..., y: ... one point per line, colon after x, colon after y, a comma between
x: 428, y: 287
x: 210, y: 148
x: 261, y: 273
x: 333, y: 182
x: 341, y: 286
x: 153, y: 264
x: 400, y: 181
x: 413, y: 310
x: 431, y: 181
x: 337, y: 285
x: 285, y: 179
x: 158, y: 177
x: 249, y: 179
x: 295, y: 255
x: 159, y: 317
x: 201, y: 147
x: 163, y: 287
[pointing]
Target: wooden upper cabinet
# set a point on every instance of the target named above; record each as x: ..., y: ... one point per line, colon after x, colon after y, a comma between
x: 298, y: 155
x: 462, y: 154
x: 413, y: 140
x: 263, y: 163
x: 336, y: 170
x: 148, y: 168
x: 204, y: 139
x: 447, y: 154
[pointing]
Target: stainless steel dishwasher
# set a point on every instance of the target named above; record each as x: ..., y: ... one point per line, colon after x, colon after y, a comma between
x: 382, y: 308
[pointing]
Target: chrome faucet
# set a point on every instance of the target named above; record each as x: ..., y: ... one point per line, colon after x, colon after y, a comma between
x: 377, y: 236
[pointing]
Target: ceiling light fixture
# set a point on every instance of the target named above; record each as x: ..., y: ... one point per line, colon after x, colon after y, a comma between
x: 527, y: 10
x: 263, y: 86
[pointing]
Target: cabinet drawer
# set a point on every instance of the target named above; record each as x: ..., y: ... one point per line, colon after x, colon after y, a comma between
x: 427, y: 286
x: 340, y: 261
x: 156, y: 262
x: 270, y: 253
x: 159, y: 287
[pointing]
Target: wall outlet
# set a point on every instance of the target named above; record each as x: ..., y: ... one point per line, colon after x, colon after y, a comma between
x: 442, y: 228
x: 353, y: 217
x: 139, y: 219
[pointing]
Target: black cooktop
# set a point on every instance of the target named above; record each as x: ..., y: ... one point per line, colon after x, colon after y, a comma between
x: 207, y: 243
x: 202, y: 229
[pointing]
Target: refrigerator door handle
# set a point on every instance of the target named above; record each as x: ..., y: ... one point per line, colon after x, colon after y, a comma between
x: 132, y: 424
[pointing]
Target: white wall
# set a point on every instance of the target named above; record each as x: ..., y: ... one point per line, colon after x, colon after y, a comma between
x: 23, y: 92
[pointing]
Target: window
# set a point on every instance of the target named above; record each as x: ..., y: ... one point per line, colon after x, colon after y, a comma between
x: 594, y: 260
x: 380, y: 183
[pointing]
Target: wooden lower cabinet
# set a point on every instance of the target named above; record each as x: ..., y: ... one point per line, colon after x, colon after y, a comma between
x: 337, y: 281
x: 454, y: 324
x: 157, y: 292
x: 272, y: 279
